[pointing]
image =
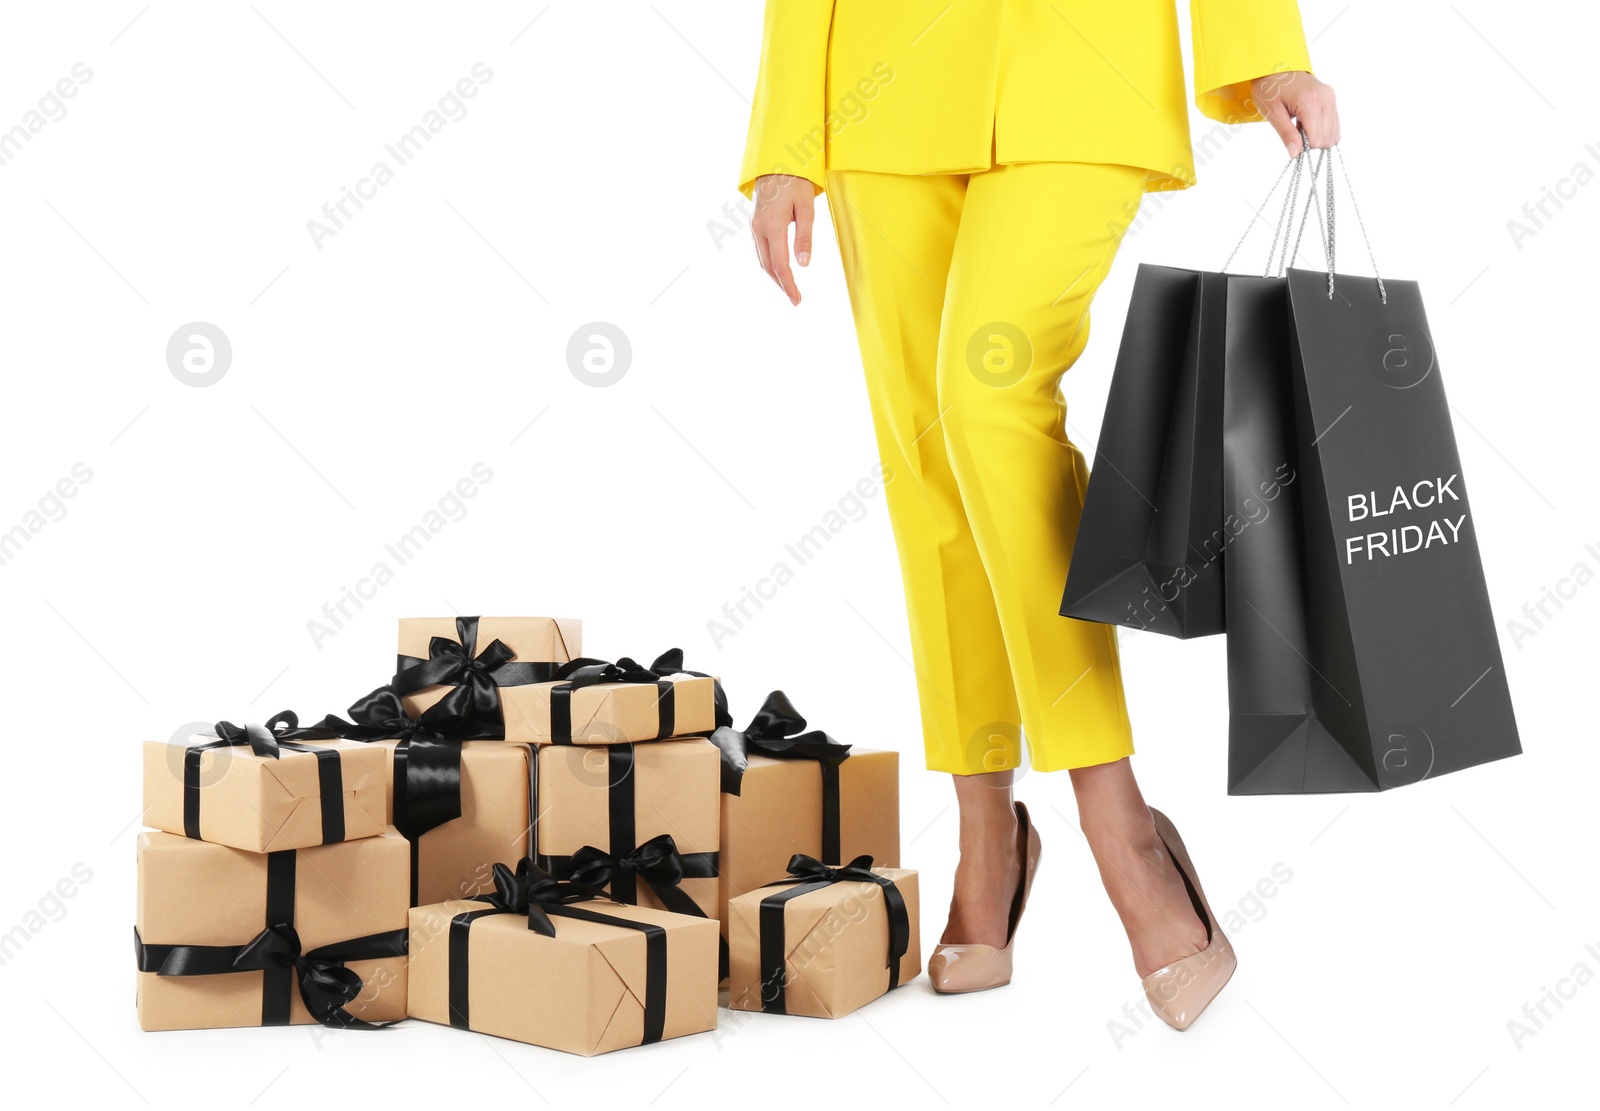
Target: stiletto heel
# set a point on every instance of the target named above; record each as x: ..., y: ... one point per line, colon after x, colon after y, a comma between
x: 958, y: 968
x: 1184, y: 988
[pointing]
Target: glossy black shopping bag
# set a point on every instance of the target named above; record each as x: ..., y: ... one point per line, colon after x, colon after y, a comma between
x: 1146, y: 551
x: 1362, y: 653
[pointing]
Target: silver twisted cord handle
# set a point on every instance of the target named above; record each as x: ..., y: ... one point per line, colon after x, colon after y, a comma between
x: 1294, y: 169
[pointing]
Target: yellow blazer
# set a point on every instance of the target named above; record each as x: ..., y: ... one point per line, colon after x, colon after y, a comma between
x: 955, y: 86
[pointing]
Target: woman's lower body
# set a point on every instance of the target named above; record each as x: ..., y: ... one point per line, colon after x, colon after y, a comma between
x: 971, y: 298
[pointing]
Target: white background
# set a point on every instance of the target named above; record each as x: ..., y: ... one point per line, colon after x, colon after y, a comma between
x: 587, y: 183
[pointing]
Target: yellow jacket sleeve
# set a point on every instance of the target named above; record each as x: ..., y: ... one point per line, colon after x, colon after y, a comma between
x: 789, y: 116
x: 1236, y: 41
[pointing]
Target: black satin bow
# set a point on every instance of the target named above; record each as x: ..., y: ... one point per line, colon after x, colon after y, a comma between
x: 477, y: 676
x: 657, y: 862
x: 777, y: 730
x: 264, y: 740
x: 808, y: 869
x: 380, y: 715
x: 529, y: 890
x: 326, y: 985
x: 587, y: 672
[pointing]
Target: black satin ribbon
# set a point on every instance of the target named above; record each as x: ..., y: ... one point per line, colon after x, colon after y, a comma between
x: 586, y: 672
x: 670, y: 663
x: 807, y: 874
x: 480, y: 675
x: 778, y: 731
x: 281, y: 731
x: 532, y: 891
x: 326, y: 985
x: 427, y: 761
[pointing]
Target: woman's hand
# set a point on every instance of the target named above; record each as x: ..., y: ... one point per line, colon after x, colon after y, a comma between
x: 782, y: 200
x: 1285, y: 98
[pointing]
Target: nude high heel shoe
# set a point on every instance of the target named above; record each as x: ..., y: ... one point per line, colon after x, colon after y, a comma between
x: 957, y: 968
x: 1181, y: 990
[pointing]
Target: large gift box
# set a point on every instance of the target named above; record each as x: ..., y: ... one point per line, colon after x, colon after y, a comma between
x: 639, y: 821
x: 598, y: 702
x: 482, y: 667
x: 578, y: 974
x: 788, y: 791
x: 823, y: 941
x: 225, y: 937
x: 255, y: 787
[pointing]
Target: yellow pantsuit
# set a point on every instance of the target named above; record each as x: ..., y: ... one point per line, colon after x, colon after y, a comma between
x: 982, y: 158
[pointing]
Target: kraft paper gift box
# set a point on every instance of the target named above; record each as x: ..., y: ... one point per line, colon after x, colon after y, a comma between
x: 788, y: 791
x: 596, y: 702
x: 631, y: 819
x: 256, y: 788
x: 338, y: 911
x: 824, y: 942
x: 595, y: 976
x: 452, y: 860
x: 485, y: 665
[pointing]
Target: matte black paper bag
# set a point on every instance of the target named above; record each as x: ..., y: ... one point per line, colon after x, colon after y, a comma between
x: 1147, y: 547
x: 1362, y: 653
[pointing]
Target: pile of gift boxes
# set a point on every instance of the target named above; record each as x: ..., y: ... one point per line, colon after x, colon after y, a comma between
x: 515, y: 839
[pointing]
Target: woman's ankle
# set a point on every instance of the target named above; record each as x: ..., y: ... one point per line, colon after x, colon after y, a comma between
x: 1121, y: 829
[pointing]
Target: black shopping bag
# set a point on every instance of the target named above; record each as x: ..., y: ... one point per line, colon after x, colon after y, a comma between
x: 1362, y: 652
x: 1147, y: 546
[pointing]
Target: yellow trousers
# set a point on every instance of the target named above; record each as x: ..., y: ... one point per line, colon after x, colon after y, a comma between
x: 971, y: 299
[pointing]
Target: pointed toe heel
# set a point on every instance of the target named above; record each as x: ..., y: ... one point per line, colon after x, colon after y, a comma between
x: 1179, y: 992
x: 958, y: 968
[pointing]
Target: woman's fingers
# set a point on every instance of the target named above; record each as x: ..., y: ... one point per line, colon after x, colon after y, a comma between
x: 761, y: 252
x: 1292, y: 101
x: 778, y: 256
x: 781, y: 201
x: 1320, y: 117
x: 1282, y: 121
x: 804, y: 215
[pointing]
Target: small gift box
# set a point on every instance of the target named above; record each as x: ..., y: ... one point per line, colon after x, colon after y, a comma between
x: 788, y: 791
x: 224, y: 937
x: 638, y: 821
x: 481, y: 667
x: 263, y: 788
x: 824, y: 940
x: 597, y: 702
x: 461, y: 804
x: 543, y: 962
